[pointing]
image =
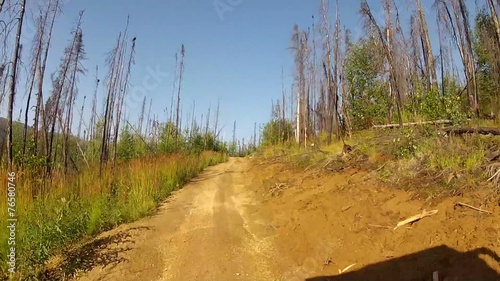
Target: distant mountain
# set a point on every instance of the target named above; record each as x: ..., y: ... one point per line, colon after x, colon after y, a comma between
x: 3, y: 128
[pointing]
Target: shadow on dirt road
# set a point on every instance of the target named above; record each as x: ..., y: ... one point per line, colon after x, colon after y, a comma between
x: 451, y: 265
x: 105, y: 252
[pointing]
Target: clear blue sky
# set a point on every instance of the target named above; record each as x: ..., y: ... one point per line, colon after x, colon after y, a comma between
x: 235, y: 56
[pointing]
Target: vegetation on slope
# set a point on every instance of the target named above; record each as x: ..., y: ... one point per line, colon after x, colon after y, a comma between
x: 391, y: 73
x: 77, y: 176
x: 51, y: 217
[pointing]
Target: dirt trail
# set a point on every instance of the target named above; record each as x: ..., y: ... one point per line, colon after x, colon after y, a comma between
x: 206, y: 231
x: 227, y: 225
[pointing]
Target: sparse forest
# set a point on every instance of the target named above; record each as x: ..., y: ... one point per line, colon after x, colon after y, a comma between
x: 78, y: 177
x: 82, y: 167
x: 392, y: 72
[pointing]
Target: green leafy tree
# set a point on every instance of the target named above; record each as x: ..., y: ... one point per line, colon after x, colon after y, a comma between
x: 127, y: 147
x: 368, y: 99
x: 168, y: 135
x: 277, y: 131
x: 487, y: 49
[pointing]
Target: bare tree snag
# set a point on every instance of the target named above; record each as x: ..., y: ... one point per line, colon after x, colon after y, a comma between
x: 123, y: 91
x: 34, y: 66
x: 495, y: 18
x: 13, y: 81
x: 40, y: 112
x: 386, y: 41
x: 428, y: 56
x: 181, y: 72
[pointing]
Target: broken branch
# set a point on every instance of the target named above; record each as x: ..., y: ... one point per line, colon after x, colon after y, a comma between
x: 347, y: 208
x: 416, y: 218
x: 472, y: 207
x: 379, y: 226
x: 347, y: 268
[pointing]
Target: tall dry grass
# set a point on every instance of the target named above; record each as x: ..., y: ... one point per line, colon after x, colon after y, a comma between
x: 56, y: 214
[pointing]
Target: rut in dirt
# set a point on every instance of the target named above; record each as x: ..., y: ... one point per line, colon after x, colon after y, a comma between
x: 231, y: 223
x: 209, y: 230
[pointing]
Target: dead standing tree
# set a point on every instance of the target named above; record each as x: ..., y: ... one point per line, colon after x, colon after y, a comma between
x: 39, y: 111
x: 387, y: 43
x: 93, y: 114
x: 177, y: 115
x: 1, y: 5
x: 114, y: 66
x: 456, y: 22
x: 114, y: 98
x: 121, y: 99
x: 329, y: 99
x: 335, y: 94
x: 496, y: 18
x: 430, y: 65
x: 300, y: 49
x: 62, y: 84
x: 72, y: 92
x: 35, y: 58
x: 13, y: 80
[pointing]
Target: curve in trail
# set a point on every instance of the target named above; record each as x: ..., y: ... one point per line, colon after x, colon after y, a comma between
x: 206, y: 231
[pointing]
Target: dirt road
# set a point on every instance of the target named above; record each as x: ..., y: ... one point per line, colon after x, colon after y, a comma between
x: 243, y: 220
x: 206, y: 231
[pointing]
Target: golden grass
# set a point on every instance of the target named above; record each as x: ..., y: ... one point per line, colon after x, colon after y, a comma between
x: 55, y: 214
x: 400, y: 156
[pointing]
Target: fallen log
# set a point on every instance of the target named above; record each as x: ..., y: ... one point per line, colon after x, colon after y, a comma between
x: 468, y: 130
x: 437, y: 122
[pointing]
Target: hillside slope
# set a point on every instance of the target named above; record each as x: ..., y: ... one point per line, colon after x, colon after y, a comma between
x: 265, y: 220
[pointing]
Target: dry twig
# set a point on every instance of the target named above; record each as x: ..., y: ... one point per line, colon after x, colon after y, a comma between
x: 416, y: 218
x: 347, y: 208
x: 379, y: 226
x: 472, y: 207
x: 347, y: 268
x: 278, y: 187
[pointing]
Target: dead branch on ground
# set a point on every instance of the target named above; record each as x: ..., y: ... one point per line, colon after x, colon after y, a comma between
x: 278, y: 187
x: 415, y: 218
x: 472, y: 207
x: 436, y: 122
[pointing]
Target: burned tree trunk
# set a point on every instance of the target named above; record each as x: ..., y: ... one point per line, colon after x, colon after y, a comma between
x: 471, y: 59
x: 430, y: 65
x: 72, y: 55
x: 387, y: 46
x: 39, y: 111
x: 13, y: 81
x: 495, y: 18
x: 34, y: 66
x: 177, y: 117
x: 121, y: 99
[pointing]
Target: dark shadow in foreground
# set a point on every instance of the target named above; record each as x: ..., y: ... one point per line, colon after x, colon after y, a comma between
x: 451, y: 265
x: 103, y: 252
